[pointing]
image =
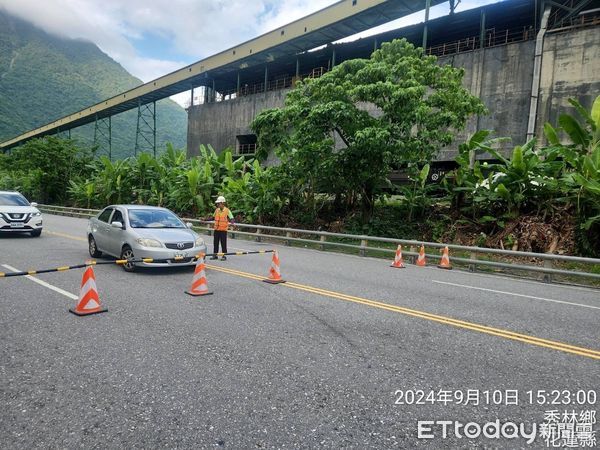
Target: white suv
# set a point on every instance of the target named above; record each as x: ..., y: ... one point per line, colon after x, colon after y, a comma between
x: 18, y: 215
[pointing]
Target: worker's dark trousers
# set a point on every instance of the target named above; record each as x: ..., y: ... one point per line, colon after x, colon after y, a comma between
x: 220, y: 236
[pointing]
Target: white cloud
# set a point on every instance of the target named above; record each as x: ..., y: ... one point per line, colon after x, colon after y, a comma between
x: 290, y: 10
x: 191, y: 29
x: 195, y: 28
x: 148, y: 69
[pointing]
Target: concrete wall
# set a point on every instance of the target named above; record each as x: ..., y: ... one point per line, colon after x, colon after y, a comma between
x: 219, y: 123
x: 500, y: 76
x: 570, y: 68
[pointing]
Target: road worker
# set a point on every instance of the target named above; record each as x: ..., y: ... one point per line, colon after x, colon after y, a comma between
x: 223, y: 217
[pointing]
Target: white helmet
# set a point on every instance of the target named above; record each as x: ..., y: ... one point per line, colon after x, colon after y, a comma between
x: 220, y: 199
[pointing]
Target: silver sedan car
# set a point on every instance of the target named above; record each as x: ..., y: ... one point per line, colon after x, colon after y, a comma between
x: 136, y: 231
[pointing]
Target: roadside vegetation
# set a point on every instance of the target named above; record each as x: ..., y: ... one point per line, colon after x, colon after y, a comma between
x: 336, y: 157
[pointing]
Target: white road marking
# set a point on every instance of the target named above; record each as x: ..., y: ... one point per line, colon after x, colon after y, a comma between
x: 529, y: 281
x: 43, y: 283
x: 516, y: 295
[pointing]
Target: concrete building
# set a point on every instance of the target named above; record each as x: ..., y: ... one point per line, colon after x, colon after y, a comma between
x: 495, y: 44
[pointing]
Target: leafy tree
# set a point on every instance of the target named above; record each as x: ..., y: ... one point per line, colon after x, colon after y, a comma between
x: 397, y: 108
x: 52, y: 162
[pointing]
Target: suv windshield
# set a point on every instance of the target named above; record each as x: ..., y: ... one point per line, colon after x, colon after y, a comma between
x: 153, y: 218
x: 13, y: 200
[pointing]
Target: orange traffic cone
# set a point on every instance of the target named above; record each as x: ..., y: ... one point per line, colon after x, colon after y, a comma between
x: 445, y: 261
x: 199, y: 285
x: 421, y: 259
x: 274, y: 272
x: 398, y: 261
x: 89, y: 302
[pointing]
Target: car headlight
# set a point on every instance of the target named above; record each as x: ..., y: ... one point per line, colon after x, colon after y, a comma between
x: 149, y: 242
x: 199, y: 242
x: 36, y: 214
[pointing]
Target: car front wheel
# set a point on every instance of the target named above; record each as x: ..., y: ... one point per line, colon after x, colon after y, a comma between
x: 36, y: 233
x: 127, y: 253
x: 94, y: 252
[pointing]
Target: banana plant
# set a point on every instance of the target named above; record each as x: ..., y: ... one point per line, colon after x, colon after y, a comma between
x: 463, y: 181
x: 82, y: 192
x: 143, y: 171
x: 526, y: 180
x: 114, y: 180
x: 193, y: 187
x: 581, y: 179
x: 416, y: 196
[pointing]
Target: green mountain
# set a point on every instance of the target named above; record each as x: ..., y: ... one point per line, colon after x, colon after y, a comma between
x: 44, y: 77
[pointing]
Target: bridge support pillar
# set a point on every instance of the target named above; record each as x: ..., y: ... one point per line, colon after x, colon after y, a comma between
x: 66, y: 134
x: 145, y: 134
x: 103, y: 135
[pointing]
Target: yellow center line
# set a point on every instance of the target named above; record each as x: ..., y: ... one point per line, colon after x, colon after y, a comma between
x: 506, y: 334
x: 68, y: 236
x: 555, y: 345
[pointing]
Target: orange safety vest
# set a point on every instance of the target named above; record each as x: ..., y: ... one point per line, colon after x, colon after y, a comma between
x: 221, y: 219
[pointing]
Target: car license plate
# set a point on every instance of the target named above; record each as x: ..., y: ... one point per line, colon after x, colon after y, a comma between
x: 180, y: 255
x: 16, y: 225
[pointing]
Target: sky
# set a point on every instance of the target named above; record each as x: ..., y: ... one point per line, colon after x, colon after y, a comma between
x: 151, y: 38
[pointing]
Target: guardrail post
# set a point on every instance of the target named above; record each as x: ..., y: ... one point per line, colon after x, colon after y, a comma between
x: 322, y: 239
x: 548, y: 265
x: 287, y: 235
x: 258, y: 233
x: 472, y: 267
x: 363, y: 243
x: 412, y: 249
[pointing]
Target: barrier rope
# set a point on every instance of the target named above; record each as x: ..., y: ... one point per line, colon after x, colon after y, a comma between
x: 93, y: 262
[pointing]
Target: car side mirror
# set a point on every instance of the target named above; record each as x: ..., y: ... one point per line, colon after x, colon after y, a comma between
x: 34, y: 204
x: 189, y: 224
x: 117, y: 224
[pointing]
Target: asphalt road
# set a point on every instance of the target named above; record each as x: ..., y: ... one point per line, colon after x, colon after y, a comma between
x: 324, y: 360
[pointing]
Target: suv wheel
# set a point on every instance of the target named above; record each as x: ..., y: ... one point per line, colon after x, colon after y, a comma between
x: 127, y: 253
x: 36, y: 233
x: 93, y: 248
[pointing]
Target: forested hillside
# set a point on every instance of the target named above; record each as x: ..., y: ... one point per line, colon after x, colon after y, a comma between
x: 44, y: 77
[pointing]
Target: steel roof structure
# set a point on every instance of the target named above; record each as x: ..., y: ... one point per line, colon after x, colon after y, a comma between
x: 342, y: 19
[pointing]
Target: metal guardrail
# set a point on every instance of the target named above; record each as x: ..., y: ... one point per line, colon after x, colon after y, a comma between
x: 288, y: 235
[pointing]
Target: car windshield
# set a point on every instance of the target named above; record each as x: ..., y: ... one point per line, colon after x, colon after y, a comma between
x: 153, y: 218
x: 13, y: 200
